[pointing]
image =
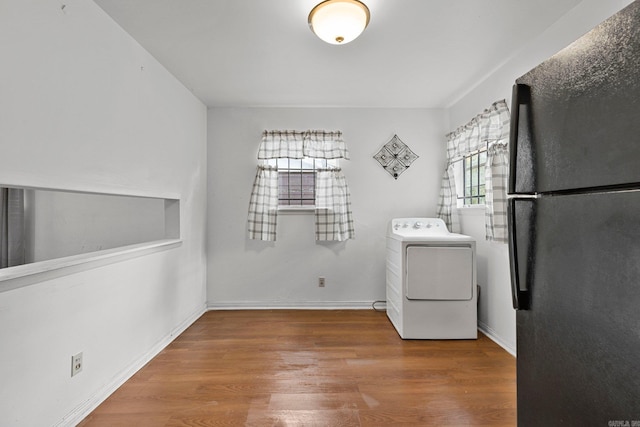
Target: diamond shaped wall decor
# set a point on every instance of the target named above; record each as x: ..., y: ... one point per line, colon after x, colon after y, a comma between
x: 395, y: 156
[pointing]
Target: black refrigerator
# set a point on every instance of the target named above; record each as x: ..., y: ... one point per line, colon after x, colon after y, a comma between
x: 574, y: 230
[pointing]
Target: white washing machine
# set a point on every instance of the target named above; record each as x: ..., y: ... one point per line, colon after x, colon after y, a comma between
x: 431, y: 280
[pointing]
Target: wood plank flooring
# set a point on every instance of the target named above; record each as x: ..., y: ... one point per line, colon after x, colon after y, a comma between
x: 314, y: 368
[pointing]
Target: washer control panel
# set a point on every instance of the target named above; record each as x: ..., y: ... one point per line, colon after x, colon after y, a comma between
x: 423, y: 224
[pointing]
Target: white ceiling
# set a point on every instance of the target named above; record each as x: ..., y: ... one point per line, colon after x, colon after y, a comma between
x: 415, y: 53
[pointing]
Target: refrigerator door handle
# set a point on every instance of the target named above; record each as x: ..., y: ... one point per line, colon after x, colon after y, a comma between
x: 519, y: 293
x: 520, y: 100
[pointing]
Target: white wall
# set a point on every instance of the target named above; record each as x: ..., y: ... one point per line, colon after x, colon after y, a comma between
x: 244, y: 272
x: 496, y: 314
x: 84, y: 107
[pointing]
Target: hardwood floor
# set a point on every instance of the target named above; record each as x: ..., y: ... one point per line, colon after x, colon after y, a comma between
x: 314, y: 368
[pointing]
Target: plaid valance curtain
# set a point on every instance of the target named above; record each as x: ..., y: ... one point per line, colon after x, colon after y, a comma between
x: 488, y: 129
x: 297, y: 145
x: 333, y: 214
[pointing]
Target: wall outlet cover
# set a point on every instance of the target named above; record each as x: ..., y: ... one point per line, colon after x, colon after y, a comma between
x: 76, y: 364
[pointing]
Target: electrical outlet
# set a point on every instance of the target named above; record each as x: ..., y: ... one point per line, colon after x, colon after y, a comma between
x: 76, y: 364
x: 321, y: 282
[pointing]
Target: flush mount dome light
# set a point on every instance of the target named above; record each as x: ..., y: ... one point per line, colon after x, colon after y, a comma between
x: 339, y: 21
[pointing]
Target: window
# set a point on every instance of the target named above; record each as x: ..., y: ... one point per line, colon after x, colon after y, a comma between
x: 474, y: 180
x: 291, y: 175
x: 472, y: 177
x: 297, y: 179
x: 480, y: 144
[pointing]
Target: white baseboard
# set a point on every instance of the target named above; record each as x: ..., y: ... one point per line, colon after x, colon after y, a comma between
x: 291, y: 305
x: 81, y: 411
x: 485, y: 329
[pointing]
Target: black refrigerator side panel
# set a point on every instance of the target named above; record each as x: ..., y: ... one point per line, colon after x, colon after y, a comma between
x: 584, y: 109
x: 579, y: 342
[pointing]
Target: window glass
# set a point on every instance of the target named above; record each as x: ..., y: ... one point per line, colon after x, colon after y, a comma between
x: 297, y: 179
x: 473, y: 177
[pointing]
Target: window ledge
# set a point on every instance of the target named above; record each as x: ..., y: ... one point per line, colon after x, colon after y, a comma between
x: 292, y: 210
x: 27, y: 274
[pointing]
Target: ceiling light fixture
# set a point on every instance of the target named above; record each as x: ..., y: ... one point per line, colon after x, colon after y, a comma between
x: 339, y: 21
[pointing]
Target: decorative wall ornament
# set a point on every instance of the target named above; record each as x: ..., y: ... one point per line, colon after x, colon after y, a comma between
x: 395, y: 156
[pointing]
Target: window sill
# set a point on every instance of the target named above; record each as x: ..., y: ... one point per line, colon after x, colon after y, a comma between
x: 27, y: 274
x: 293, y: 210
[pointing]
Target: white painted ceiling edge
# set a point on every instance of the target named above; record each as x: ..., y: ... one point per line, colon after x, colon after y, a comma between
x: 413, y: 54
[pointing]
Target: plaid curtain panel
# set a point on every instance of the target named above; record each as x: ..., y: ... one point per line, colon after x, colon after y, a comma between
x: 496, y: 133
x: 263, y: 205
x: 496, y: 191
x: 334, y: 220
x: 447, y: 203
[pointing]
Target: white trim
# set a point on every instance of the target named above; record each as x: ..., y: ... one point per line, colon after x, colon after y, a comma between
x: 24, y: 275
x: 292, y: 305
x: 485, y: 329
x: 292, y: 210
x: 81, y: 411
x: 107, y: 191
